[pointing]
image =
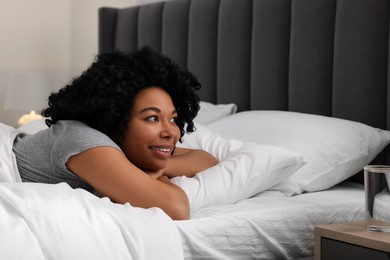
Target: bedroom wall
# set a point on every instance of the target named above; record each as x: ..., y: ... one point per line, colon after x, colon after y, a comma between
x: 32, y: 39
x: 84, y: 30
x: 56, y: 37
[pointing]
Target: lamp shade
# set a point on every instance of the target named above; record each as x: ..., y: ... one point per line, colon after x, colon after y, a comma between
x: 27, y: 91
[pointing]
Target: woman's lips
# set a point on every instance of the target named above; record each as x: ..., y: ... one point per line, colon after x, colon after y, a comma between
x: 162, y: 152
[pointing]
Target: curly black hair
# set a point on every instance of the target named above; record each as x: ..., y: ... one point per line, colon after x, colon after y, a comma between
x: 103, y: 96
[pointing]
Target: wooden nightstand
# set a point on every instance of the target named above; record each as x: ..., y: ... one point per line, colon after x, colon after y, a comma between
x: 351, y: 241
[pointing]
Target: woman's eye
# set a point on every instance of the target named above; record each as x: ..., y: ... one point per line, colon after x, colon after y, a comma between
x: 174, y: 120
x: 152, y: 119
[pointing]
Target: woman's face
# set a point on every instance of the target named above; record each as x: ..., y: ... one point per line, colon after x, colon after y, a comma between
x: 152, y: 132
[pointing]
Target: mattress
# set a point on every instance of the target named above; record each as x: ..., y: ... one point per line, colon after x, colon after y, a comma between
x: 269, y: 225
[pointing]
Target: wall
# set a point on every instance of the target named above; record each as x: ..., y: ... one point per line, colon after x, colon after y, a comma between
x: 53, y: 36
x: 84, y: 30
x: 32, y: 39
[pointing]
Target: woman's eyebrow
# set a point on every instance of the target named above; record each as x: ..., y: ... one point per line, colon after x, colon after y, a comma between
x: 155, y: 109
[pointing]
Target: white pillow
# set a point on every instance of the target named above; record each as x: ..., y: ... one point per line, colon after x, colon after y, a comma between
x: 211, y: 112
x: 245, y: 169
x: 334, y: 149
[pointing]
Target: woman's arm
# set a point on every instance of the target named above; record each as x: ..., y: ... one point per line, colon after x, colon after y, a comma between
x: 189, y: 162
x: 110, y: 173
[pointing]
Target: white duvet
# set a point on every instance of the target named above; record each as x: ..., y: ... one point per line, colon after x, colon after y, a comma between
x: 270, y: 225
x: 42, y: 221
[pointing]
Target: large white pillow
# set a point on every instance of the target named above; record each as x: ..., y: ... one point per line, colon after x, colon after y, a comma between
x: 210, y: 112
x: 334, y: 149
x: 245, y: 169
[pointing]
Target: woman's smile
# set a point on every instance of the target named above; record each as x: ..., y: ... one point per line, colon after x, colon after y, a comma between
x: 162, y: 152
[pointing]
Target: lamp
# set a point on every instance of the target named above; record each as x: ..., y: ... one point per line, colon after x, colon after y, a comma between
x: 27, y: 91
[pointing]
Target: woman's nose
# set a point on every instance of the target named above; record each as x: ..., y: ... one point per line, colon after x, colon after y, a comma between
x: 169, y: 130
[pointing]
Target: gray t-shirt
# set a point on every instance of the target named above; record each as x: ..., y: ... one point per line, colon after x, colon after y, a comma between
x: 41, y: 157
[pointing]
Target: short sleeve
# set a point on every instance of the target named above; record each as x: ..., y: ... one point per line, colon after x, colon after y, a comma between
x: 73, y: 137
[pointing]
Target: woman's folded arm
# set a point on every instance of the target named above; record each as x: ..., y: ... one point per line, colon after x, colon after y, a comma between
x: 111, y: 174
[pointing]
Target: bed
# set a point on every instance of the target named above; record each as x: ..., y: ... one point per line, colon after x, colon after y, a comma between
x: 294, y: 103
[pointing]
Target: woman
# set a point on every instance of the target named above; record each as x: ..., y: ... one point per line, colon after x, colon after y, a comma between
x: 113, y: 131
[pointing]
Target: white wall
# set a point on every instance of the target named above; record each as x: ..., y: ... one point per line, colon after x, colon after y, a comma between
x: 84, y: 30
x: 53, y: 36
x: 33, y: 38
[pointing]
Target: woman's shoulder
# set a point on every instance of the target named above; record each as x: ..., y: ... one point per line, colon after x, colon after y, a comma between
x: 72, y: 126
x: 72, y: 131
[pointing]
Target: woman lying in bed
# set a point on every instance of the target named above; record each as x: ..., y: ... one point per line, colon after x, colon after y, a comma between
x: 113, y: 131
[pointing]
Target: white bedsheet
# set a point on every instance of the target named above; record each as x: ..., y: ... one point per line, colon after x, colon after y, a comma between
x: 42, y: 221
x: 269, y: 226
x: 8, y: 169
x: 46, y: 221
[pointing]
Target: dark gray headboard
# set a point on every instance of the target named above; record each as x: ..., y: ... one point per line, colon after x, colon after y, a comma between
x: 327, y: 57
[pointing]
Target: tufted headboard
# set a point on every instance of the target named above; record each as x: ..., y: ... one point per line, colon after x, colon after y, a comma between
x: 327, y: 57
